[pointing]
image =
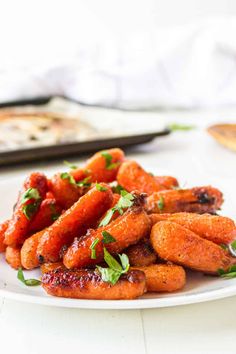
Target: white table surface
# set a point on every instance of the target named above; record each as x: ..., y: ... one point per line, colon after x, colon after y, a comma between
x: 209, y: 327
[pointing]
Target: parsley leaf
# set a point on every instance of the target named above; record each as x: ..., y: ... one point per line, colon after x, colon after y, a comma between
x: 161, y: 203
x: 115, y: 270
x: 116, y: 188
x: 66, y: 175
x: 232, y: 248
x: 100, y: 188
x: 108, y: 160
x: 31, y: 193
x: 70, y: 165
x: 126, y: 200
x: 85, y: 182
x: 93, y: 248
x: 30, y: 209
x: 230, y: 273
x: 180, y: 127
x: 54, y: 214
x: 28, y: 282
x: 107, y: 237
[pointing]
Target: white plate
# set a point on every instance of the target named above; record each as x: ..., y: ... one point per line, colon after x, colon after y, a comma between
x: 199, y: 287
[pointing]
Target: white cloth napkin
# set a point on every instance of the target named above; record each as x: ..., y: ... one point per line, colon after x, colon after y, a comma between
x: 191, y: 66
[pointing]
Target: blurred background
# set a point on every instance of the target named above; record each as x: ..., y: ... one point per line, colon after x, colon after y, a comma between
x: 131, y: 55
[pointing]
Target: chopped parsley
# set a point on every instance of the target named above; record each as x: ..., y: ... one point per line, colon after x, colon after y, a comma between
x: 31, y: 194
x: 93, y: 248
x: 70, y: 165
x: 115, y: 270
x: 28, y: 282
x: 66, y: 175
x: 54, y: 214
x: 108, y: 161
x: 126, y: 200
x: 232, y: 248
x: 180, y: 127
x: 107, y: 237
x: 161, y: 203
x: 100, y: 188
x: 83, y: 183
x: 230, y: 273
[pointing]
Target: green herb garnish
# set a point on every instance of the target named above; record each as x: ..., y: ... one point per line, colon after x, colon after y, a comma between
x: 115, y: 270
x: 126, y: 200
x: 85, y: 182
x: 232, y: 248
x: 31, y: 193
x: 180, y: 127
x: 108, y: 160
x: 70, y: 165
x: 66, y: 175
x: 230, y: 273
x: 117, y: 188
x: 28, y: 282
x: 107, y: 237
x: 54, y: 214
x: 93, y: 248
x: 161, y: 203
x: 100, y: 188
x: 30, y: 209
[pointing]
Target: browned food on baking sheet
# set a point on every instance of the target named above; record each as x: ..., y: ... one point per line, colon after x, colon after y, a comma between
x: 88, y: 284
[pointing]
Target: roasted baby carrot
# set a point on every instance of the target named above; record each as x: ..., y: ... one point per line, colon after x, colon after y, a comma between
x: 3, y: 228
x: 141, y: 254
x: 48, y: 212
x: 167, y: 182
x: 163, y: 277
x: 74, y: 222
x: 13, y: 257
x: 175, y: 243
x: 104, y: 165
x: 29, y: 257
x: 48, y: 267
x: 196, y: 200
x: 33, y: 192
x: 133, y: 177
x: 88, y: 284
x: 219, y: 229
x: 126, y: 230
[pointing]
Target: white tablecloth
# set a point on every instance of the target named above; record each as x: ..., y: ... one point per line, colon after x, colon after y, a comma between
x: 209, y: 327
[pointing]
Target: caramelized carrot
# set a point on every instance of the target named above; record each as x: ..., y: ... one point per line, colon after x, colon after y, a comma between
x: 13, y: 257
x: 132, y: 176
x: 88, y: 284
x: 218, y: 229
x: 167, y: 182
x: 175, y: 243
x: 65, y: 192
x: 127, y: 229
x: 48, y: 267
x: 18, y: 226
x: 104, y: 165
x: 74, y: 222
x: 141, y: 254
x: 163, y: 277
x: 3, y: 228
x: 29, y: 258
x: 196, y: 200
x: 48, y: 212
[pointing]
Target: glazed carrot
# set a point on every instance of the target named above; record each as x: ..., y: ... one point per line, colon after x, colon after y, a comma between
x: 218, y: 229
x: 196, y: 200
x: 74, y: 222
x: 48, y: 267
x: 65, y: 192
x: 19, y: 224
x: 159, y: 217
x: 132, y: 176
x: 164, y: 277
x: 104, y: 165
x: 88, y: 284
x: 29, y: 258
x: 3, y: 228
x: 127, y: 229
x: 175, y: 243
x: 13, y: 257
x: 141, y: 254
x: 48, y: 212
x: 167, y: 182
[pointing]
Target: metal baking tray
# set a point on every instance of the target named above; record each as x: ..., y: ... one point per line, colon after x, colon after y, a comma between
x: 75, y: 148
